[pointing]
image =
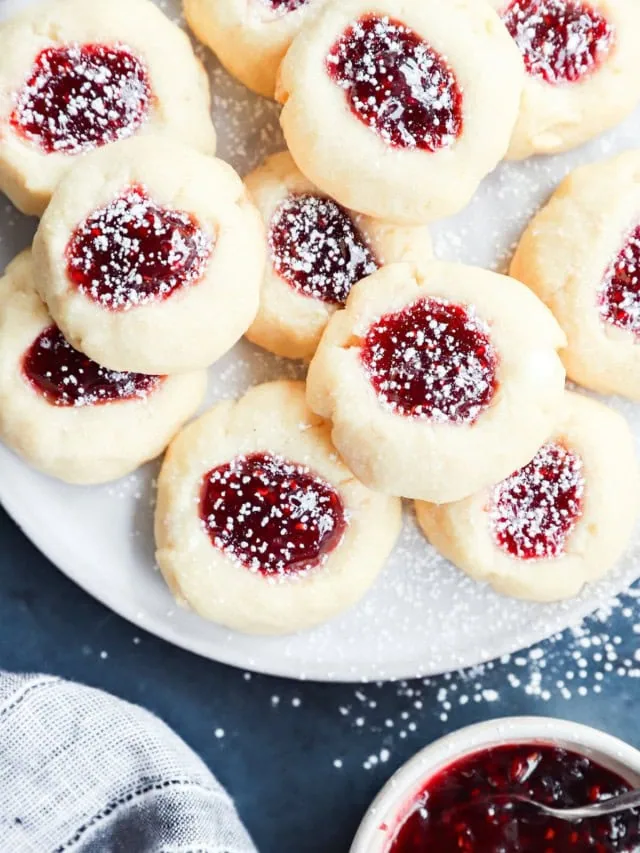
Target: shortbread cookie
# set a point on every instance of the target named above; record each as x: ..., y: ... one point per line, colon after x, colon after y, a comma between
x: 259, y: 525
x: 317, y: 250
x: 68, y: 416
x: 439, y: 381
x: 76, y: 75
x: 583, y: 69
x: 398, y: 110
x: 555, y: 524
x: 250, y: 37
x: 581, y: 255
x: 150, y: 257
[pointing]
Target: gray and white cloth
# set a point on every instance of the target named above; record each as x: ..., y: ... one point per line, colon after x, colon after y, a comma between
x: 84, y: 772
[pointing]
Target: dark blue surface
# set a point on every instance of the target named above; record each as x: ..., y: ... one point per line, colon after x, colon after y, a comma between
x: 277, y: 755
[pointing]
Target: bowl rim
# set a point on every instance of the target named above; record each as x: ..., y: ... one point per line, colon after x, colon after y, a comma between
x: 385, y: 812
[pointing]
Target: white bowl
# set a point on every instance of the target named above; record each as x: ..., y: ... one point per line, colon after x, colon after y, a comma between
x: 381, y: 820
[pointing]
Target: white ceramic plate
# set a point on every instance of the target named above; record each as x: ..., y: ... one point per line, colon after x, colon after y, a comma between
x: 422, y: 616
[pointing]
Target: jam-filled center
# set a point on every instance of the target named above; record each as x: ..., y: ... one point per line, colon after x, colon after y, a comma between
x: 66, y: 377
x: 534, y: 511
x: 134, y: 251
x: 432, y: 360
x: 317, y: 248
x: 284, y: 7
x: 619, y: 291
x: 470, y: 807
x: 80, y: 97
x: 397, y: 85
x: 271, y: 515
x: 560, y: 40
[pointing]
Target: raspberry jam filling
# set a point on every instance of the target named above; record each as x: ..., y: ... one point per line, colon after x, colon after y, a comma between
x: 283, y: 7
x: 133, y: 251
x: 271, y: 515
x: 66, y: 377
x: 619, y: 292
x: 80, y: 97
x: 534, y: 511
x: 469, y: 808
x: 432, y: 360
x: 561, y: 41
x: 396, y: 84
x: 317, y: 248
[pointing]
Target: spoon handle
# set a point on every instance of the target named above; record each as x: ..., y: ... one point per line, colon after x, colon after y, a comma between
x: 613, y: 805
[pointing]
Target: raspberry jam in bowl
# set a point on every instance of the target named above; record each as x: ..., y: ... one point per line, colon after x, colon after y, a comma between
x: 457, y: 795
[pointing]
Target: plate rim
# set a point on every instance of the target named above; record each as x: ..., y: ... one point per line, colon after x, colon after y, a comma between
x: 227, y: 654
x: 403, y: 664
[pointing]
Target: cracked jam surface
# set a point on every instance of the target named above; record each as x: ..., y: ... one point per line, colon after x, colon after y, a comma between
x: 271, y: 515
x: 619, y: 292
x: 561, y: 41
x: 133, y: 251
x: 317, y: 248
x: 434, y: 360
x: 66, y: 377
x: 534, y: 511
x: 468, y: 806
x: 397, y: 85
x: 80, y: 97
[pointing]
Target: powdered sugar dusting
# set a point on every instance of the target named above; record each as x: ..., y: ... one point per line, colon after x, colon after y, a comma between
x: 534, y: 511
x: 433, y: 360
x: 317, y: 248
x: 271, y: 515
x: 80, y: 97
x: 132, y: 252
x: 387, y: 722
x: 422, y: 616
x: 619, y: 292
x: 66, y: 377
x: 397, y: 84
x: 283, y: 7
x: 560, y: 40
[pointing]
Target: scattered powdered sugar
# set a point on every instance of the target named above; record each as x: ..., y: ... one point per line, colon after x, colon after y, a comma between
x: 132, y: 251
x: 570, y: 666
x: 397, y: 84
x: 131, y: 488
x: 66, y: 377
x: 79, y: 97
x: 271, y: 515
x: 317, y: 248
x: 432, y: 360
x: 619, y: 292
x: 560, y: 40
x: 283, y: 7
x: 535, y: 509
x: 247, y: 125
x: 422, y: 615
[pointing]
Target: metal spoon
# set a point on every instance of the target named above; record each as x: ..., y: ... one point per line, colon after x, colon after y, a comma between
x: 629, y: 800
